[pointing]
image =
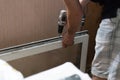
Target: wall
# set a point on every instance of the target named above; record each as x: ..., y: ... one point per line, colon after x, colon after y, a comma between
x: 24, y: 21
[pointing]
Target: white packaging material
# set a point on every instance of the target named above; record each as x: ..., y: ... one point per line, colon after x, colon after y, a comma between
x: 62, y: 72
x: 59, y: 73
x: 7, y: 72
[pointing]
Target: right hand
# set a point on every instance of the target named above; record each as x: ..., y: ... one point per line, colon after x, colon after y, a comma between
x: 68, y: 40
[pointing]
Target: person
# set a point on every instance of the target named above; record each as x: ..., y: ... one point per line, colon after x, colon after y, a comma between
x: 106, y: 62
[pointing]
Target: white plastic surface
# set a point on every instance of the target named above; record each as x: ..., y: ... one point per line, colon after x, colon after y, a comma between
x: 7, y: 72
x: 59, y: 73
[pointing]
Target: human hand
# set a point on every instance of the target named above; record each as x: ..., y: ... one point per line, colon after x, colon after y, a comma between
x: 68, y: 40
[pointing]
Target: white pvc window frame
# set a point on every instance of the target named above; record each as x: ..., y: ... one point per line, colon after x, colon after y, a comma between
x: 24, y: 52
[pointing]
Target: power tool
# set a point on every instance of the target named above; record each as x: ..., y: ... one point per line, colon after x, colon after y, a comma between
x: 62, y: 21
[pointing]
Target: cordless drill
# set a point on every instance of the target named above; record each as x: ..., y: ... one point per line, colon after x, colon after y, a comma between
x: 62, y: 21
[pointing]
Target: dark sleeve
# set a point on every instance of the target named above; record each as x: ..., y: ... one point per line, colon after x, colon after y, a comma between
x: 98, y: 1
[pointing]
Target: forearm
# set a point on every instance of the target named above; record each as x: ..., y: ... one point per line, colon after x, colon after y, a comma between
x: 74, y: 14
x: 73, y: 22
